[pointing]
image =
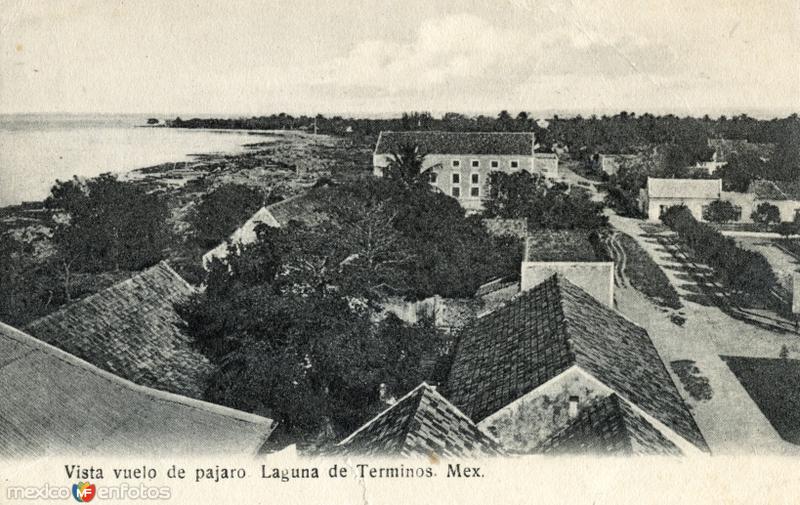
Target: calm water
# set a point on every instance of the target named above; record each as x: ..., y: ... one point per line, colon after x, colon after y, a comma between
x: 35, y: 150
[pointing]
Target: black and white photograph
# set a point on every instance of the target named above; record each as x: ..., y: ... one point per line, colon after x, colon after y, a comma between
x: 398, y: 251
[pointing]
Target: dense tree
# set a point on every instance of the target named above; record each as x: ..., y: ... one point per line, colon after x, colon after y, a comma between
x: 786, y: 229
x: 106, y: 224
x: 29, y: 283
x: 405, y: 165
x: 766, y: 213
x: 746, y: 273
x: 542, y: 203
x: 223, y: 210
x: 721, y: 211
x: 623, y: 187
x: 786, y: 162
x: 740, y: 171
x: 621, y: 133
x: 306, y: 356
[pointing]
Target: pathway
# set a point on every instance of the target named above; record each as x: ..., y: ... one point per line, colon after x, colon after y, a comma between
x: 730, y: 420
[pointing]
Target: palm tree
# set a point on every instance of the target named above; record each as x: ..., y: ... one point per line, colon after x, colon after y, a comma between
x: 405, y: 164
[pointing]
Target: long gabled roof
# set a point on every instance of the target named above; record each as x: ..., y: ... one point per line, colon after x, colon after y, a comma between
x: 421, y: 423
x: 775, y: 190
x: 609, y: 426
x: 461, y: 143
x: 131, y: 329
x: 300, y: 208
x: 548, y: 329
x: 53, y: 403
x: 684, y: 188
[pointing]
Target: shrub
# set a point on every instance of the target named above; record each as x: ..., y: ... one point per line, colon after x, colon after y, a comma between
x: 766, y: 213
x: 721, y: 211
x: 743, y: 271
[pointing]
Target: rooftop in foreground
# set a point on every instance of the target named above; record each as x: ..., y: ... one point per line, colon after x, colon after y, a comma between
x: 421, y: 423
x: 609, y: 427
x: 131, y: 329
x: 548, y: 329
x: 53, y: 403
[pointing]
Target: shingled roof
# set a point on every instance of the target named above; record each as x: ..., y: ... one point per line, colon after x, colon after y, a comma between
x: 775, y: 190
x: 437, y: 142
x: 421, y: 423
x: 131, y: 329
x: 684, y: 188
x: 53, y: 403
x: 301, y: 208
x: 609, y: 426
x: 559, y: 245
x: 548, y: 329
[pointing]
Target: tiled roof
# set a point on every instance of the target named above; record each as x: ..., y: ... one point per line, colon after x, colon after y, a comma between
x: 131, y: 329
x: 300, y: 208
x: 559, y: 245
x: 421, y: 423
x: 52, y: 403
x: 775, y: 190
x: 684, y: 188
x: 436, y: 142
x: 549, y: 328
x: 609, y: 426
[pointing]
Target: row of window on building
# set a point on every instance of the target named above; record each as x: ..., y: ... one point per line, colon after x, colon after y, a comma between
x: 474, y: 191
x: 492, y: 163
x: 456, y: 178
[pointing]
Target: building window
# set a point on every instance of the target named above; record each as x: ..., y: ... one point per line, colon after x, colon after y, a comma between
x: 456, y: 163
x: 456, y: 179
x: 475, y: 178
x: 476, y: 191
x: 455, y: 191
x: 514, y: 164
x: 476, y: 163
x: 495, y: 163
x: 433, y: 177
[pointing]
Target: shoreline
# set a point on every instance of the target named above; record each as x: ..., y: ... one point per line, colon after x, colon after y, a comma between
x: 261, y: 138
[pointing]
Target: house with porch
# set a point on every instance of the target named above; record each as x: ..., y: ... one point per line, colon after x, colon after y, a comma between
x: 460, y: 163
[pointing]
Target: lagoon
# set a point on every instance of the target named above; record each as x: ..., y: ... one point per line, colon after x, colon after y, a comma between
x: 35, y: 150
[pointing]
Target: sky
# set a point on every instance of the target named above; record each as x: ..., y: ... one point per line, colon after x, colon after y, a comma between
x: 380, y: 57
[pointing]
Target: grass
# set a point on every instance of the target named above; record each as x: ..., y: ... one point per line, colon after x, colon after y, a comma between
x: 695, y: 384
x: 774, y: 385
x: 645, y: 275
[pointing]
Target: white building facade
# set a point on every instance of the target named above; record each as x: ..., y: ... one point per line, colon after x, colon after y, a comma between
x: 460, y: 164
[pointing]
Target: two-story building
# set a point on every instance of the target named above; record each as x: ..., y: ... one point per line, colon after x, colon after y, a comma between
x: 460, y: 164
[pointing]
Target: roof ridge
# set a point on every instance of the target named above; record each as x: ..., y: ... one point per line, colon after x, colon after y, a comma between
x: 615, y: 400
x: 285, y: 200
x: 34, y: 344
x: 381, y: 413
x: 409, y: 421
x: 558, y: 279
x: 775, y: 185
x: 161, y: 266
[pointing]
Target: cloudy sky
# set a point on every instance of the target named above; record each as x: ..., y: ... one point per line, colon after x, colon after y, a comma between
x: 382, y: 56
